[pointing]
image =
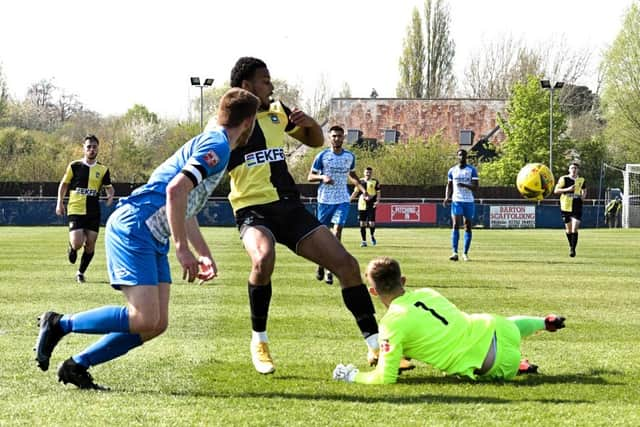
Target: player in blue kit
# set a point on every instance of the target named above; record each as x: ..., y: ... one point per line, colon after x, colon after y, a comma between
x: 333, y: 168
x: 462, y: 181
x: 137, y: 243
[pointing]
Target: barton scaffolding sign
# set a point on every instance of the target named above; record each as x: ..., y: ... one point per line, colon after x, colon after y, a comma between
x: 513, y: 216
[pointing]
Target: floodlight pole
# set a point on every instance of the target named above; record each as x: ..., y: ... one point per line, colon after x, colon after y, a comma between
x: 546, y: 84
x: 195, y: 81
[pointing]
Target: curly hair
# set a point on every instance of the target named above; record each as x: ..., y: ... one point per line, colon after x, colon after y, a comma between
x: 245, y: 69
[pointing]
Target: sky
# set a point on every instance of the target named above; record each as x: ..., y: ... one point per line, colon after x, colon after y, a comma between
x: 113, y: 54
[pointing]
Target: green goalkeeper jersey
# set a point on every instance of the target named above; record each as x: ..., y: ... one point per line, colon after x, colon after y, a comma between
x: 425, y: 326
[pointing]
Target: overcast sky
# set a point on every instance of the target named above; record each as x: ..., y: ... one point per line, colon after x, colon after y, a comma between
x: 117, y: 53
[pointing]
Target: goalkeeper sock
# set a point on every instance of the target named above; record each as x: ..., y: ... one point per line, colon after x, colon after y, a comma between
x: 527, y: 325
x: 570, y: 239
x: 575, y: 239
x: 363, y: 233
x: 372, y: 230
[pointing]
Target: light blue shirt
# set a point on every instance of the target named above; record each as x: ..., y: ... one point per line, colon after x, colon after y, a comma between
x: 338, y: 167
x: 463, y: 175
x: 203, y: 159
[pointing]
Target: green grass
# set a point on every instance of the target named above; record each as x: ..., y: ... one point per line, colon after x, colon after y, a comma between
x: 200, y: 373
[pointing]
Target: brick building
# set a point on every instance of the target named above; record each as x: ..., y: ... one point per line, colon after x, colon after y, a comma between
x: 397, y: 120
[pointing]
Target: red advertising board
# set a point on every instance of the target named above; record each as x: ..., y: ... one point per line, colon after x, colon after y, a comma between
x: 398, y: 213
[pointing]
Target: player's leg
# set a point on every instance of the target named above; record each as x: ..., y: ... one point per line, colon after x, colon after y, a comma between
x: 91, y: 236
x: 362, y: 217
x: 324, y: 214
x: 323, y: 248
x: 456, y: 222
x: 260, y: 245
x: 575, y: 227
x: 371, y: 213
x: 469, y: 213
x: 76, y: 238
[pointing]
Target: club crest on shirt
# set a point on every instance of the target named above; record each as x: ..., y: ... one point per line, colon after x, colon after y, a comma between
x: 274, y: 118
x: 97, y: 174
x: 211, y: 158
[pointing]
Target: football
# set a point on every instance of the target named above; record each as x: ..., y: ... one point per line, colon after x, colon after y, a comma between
x: 535, y: 181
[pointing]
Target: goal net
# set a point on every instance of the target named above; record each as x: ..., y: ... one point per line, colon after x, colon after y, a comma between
x: 631, y: 196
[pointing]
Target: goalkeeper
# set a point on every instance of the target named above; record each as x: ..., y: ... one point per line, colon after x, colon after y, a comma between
x: 425, y: 326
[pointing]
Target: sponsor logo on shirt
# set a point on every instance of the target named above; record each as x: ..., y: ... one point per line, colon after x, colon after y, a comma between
x: 268, y: 155
x: 211, y: 158
x: 274, y: 118
x: 85, y: 191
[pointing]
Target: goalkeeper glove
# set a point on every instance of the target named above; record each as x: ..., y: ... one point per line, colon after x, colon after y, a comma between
x: 345, y: 373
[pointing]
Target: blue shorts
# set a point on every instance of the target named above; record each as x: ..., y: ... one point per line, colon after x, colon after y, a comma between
x: 134, y: 256
x: 333, y: 214
x: 465, y: 209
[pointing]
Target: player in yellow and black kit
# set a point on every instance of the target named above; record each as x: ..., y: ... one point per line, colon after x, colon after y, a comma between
x: 367, y: 203
x: 84, y: 178
x: 267, y: 207
x: 572, y: 191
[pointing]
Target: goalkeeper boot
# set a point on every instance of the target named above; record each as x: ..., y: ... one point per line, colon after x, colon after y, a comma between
x: 372, y: 356
x: 527, y: 368
x: 405, y: 365
x: 50, y: 334
x: 261, y: 357
x: 80, y: 278
x: 552, y: 322
x: 71, y: 372
x: 453, y: 257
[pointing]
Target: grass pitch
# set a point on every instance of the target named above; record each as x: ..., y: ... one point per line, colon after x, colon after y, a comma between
x: 199, y: 372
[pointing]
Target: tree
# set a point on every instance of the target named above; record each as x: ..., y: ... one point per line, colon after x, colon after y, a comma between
x: 439, y: 76
x: 527, y: 134
x: 345, y: 91
x: 621, y: 95
x: 4, y: 95
x: 496, y: 67
x: 412, y: 61
x: 318, y: 105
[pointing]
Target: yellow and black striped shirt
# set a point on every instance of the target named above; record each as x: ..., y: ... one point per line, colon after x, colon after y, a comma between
x: 571, y: 202
x: 258, y: 170
x: 85, y: 183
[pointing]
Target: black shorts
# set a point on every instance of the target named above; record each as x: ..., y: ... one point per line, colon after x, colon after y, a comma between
x: 84, y: 222
x: 576, y: 213
x: 368, y: 215
x: 288, y: 221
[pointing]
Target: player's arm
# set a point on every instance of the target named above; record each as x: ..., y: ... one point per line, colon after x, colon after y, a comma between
x: 447, y: 192
x: 307, y: 131
x: 206, y: 263
x: 315, y: 173
x: 378, y: 194
x: 353, y: 177
x: 177, y: 196
x: 110, y: 193
x: 62, y: 191
x: 559, y: 189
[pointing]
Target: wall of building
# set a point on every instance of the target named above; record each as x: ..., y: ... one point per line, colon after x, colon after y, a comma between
x: 418, y: 117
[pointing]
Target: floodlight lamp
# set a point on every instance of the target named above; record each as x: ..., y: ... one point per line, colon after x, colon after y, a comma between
x: 208, y: 82
x: 546, y: 84
x: 195, y: 81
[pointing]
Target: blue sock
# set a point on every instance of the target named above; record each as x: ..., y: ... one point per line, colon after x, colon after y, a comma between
x: 108, y: 348
x: 467, y: 241
x: 455, y: 237
x: 101, y: 320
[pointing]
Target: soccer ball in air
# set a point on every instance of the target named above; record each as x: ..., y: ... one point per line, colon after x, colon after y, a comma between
x: 535, y: 181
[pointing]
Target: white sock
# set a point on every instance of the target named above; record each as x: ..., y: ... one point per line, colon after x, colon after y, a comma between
x: 372, y: 341
x: 259, y: 336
